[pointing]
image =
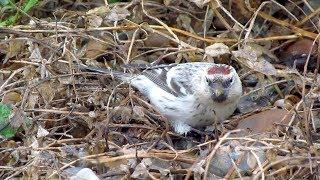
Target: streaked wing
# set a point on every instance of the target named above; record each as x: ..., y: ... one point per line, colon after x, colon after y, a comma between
x: 187, y: 76
x: 175, y: 79
x: 158, y: 76
x: 147, y: 66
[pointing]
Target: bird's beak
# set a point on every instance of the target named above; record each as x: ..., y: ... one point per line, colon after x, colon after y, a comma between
x: 219, y: 95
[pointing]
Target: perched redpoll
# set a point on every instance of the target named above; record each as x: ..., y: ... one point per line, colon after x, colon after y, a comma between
x: 189, y: 94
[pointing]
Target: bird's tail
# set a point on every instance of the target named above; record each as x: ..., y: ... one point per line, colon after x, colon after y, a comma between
x: 117, y: 74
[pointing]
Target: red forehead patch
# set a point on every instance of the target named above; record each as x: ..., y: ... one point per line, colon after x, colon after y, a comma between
x: 224, y: 70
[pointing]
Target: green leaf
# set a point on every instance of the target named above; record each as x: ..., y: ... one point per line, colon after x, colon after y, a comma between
x: 11, y: 120
x: 27, y: 6
x: 5, y: 129
x: 113, y: 1
x: 30, y: 4
x: 11, y: 20
x: 4, y: 2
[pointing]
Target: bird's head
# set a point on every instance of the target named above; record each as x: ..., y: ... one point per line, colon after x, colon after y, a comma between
x: 224, y: 83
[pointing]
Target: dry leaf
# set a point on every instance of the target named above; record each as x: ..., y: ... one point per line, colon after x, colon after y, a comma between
x: 185, y: 21
x: 217, y: 49
x: 117, y: 13
x: 94, y: 21
x: 98, y: 10
x: 42, y: 132
x: 222, y: 163
x: 47, y: 91
x: 141, y: 170
x: 11, y: 98
x: 17, y: 118
x: 85, y: 173
x: 264, y: 121
x: 263, y: 66
x: 156, y: 40
x: 35, y: 55
x: 94, y: 49
x: 254, y: 59
x: 30, y: 73
x: 198, y: 169
x: 248, y: 55
x: 200, y: 3
x: 32, y: 99
x: 288, y: 102
x: 15, y: 47
x: 296, y: 54
x: 259, y: 50
x: 138, y: 112
x: 66, y: 80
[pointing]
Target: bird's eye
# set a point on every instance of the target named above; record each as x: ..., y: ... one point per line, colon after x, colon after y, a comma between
x: 227, y: 82
x: 209, y: 81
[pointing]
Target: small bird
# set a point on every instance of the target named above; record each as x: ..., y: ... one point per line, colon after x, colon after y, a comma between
x: 189, y: 95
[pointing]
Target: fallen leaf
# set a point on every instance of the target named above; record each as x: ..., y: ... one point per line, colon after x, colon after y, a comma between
x: 296, y: 54
x: 141, y: 170
x: 30, y: 73
x: 230, y: 152
x: 11, y: 119
x: 85, y: 173
x: 264, y: 121
x: 217, y: 49
x: 245, y: 54
x: 288, y: 102
x: 200, y: 3
x: 33, y: 99
x: 138, y: 112
x: 255, y: 58
x: 94, y: 21
x: 36, y: 55
x: 11, y: 98
x: 47, y: 91
x: 15, y: 47
x: 256, y: 101
x: 156, y: 40
x: 5, y: 129
x: 185, y: 22
x: 94, y: 49
x: 117, y: 13
x: 98, y: 10
x: 42, y: 132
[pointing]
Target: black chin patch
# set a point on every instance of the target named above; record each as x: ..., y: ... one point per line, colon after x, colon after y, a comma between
x: 220, y: 98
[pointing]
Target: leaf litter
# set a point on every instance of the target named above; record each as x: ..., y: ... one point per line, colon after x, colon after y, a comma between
x: 66, y: 123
